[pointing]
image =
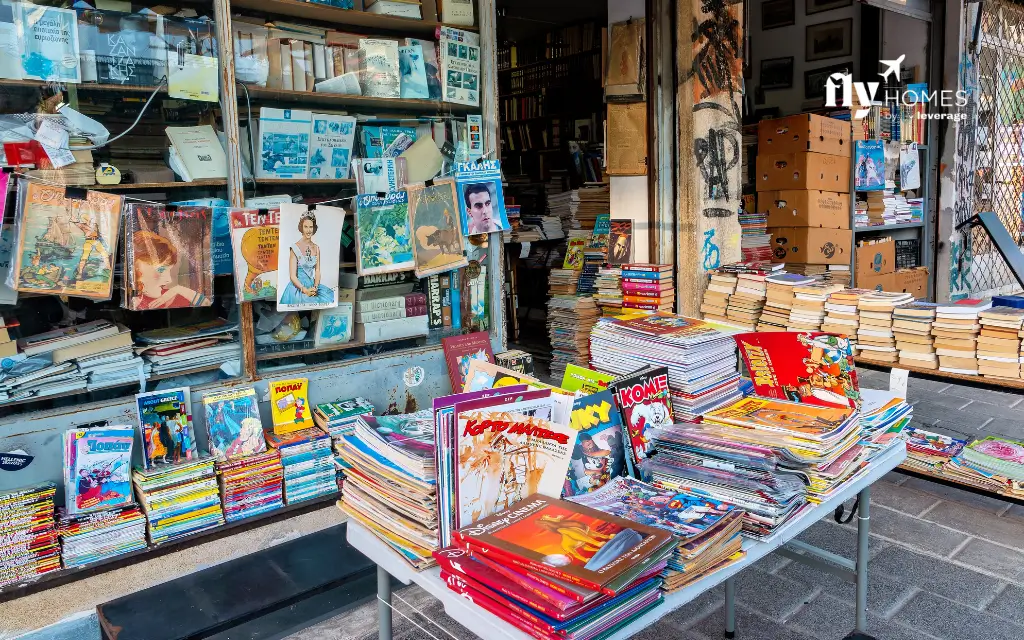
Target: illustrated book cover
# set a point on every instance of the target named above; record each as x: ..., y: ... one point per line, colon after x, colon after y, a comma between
x: 460, y: 65
x: 481, y: 197
x: 233, y: 424
x: 574, y: 254
x: 49, y: 43
x: 583, y: 381
x: 383, y: 243
x: 802, y: 420
x: 460, y: 351
x: 484, y: 375
x: 284, y: 143
x: 412, y: 71
x: 644, y: 403
x: 869, y: 165
x: 811, y: 367
x: 66, y: 246
x: 165, y: 426
x: 600, y: 452
x: 620, y: 242
x: 333, y: 326
x: 254, y: 244
x: 289, y: 405
x: 379, y: 175
x: 330, y: 149
x: 437, y: 238
x: 309, y: 260
x: 168, y: 249
x: 97, y: 468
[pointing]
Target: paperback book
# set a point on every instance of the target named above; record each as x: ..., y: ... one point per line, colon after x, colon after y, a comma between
x: 383, y: 244
x: 869, y: 165
x: 168, y: 249
x: 289, y: 405
x: 643, y: 400
x: 307, y: 272
x: 233, y: 424
x: 49, y: 43
x: 460, y: 66
x: 600, y: 452
x: 284, y: 143
x: 97, y: 468
x: 254, y: 243
x: 438, y: 244
x: 461, y: 351
x: 379, y: 175
x: 330, y: 151
x: 620, y: 242
x: 165, y: 427
x: 582, y: 381
x: 481, y: 197
x: 412, y: 72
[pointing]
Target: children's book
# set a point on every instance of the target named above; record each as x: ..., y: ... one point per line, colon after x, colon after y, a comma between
x: 309, y: 259
x: 460, y: 66
x: 8, y: 294
x: 49, y: 43
x: 333, y: 326
x: 289, y: 405
x: 379, y: 175
x: 378, y: 68
x: 437, y: 244
x: 165, y: 426
x: 233, y: 424
x: 66, y: 246
x: 620, y: 242
x: 412, y: 72
x: 811, y: 367
x: 168, y: 250
x: 459, y: 351
x: 869, y: 165
x: 254, y: 243
x: 284, y: 143
x: 584, y: 381
x: 383, y: 244
x: 574, y: 254
x: 481, y: 198
x: 600, y: 453
x: 97, y: 468
x: 330, y: 151
x: 802, y: 420
x: 643, y: 400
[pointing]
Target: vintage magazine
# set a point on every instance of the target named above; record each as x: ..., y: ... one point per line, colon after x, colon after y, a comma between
x: 254, y: 244
x: 481, y: 198
x: 437, y: 238
x: 459, y: 351
x: 600, y: 452
x: 643, y: 400
x: 168, y: 250
x: 289, y: 405
x: 460, y: 66
x: 309, y: 257
x: 165, y: 426
x: 233, y: 424
x: 97, y: 468
x: 801, y: 420
x: 383, y: 244
x: 330, y: 149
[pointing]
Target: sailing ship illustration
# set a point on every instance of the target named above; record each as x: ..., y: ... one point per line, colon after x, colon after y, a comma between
x: 55, y: 243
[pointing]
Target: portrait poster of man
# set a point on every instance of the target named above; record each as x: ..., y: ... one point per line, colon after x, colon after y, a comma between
x: 481, y: 199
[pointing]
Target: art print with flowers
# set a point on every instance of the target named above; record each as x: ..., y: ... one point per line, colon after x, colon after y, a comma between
x: 308, y: 257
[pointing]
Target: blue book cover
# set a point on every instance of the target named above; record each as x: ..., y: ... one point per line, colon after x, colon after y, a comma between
x: 165, y: 426
x: 385, y: 142
x: 869, y: 166
x: 456, y: 287
x: 599, y: 454
x: 602, y: 224
x: 412, y: 72
x: 220, y: 239
x: 481, y: 197
x: 284, y: 143
x: 49, y: 42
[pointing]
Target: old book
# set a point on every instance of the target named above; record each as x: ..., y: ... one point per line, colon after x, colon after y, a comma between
x: 160, y: 241
x: 383, y: 243
x: 200, y: 150
x: 437, y: 236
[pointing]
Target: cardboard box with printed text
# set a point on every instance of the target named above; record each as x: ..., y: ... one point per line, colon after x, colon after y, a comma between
x: 875, y: 259
x: 804, y: 132
x: 913, y: 281
x: 810, y: 245
x: 794, y: 208
x: 803, y: 171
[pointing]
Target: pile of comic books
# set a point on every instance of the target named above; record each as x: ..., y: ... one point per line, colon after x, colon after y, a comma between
x: 555, y: 569
x: 391, y: 481
x: 251, y: 485
x: 90, y: 537
x: 570, y: 319
x: 28, y: 539
x: 993, y: 464
x: 883, y: 417
x: 609, y: 291
x: 338, y: 418
x: 179, y: 499
x: 308, y: 462
x: 707, y: 531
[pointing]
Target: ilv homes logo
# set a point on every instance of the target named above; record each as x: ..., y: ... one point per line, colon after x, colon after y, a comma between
x: 840, y: 89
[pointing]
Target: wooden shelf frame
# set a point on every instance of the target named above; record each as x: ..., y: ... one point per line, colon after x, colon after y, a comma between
x: 352, y: 18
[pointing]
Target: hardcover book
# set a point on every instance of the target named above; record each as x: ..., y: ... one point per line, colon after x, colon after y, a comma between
x: 643, y: 400
x: 97, y: 468
x: 49, y: 43
x: 600, y: 453
x: 233, y: 424
x: 412, y: 72
x: 165, y: 426
x: 383, y: 244
x: 331, y: 146
x: 307, y: 271
x: 284, y: 143
x: 435, y: 227
x: 168, y: 250
x: 200, y: 151
x: 254, y: 243
x: 460, y: 351
x: 289, y: 405
x: 481, y: 198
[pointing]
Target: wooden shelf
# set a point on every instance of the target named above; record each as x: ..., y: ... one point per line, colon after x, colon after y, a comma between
x: 889, y: 227
x: 82, y: 86
x: 559, y: 59
x: 344, y: 346
x: 156, y: 186
x: 409, y: 105
x: 952, y: 482
x: 346, y: 182
x: 342, y: 17
x: 1006, y: 384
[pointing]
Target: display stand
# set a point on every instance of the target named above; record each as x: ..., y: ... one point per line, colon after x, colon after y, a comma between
x: 486, y: 625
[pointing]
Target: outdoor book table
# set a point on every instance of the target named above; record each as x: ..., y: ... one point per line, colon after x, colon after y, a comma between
x: 486, y: 625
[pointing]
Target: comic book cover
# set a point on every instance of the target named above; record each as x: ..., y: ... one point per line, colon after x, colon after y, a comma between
x: 671, y: 327
x: 437, y: 239
x: 459, y: 351
x: 812, y: 367
x: 481, y: 198
x: 483, y: 375
x: 289, y: 405
x: 97, y: 468
x: 600, y: 453
x: 620, y: 242
x: 165, y: 426
x: 383, y: 244
x: 254, y: 243
x: 584, y: 381
x: 169, y: 251
x: 66, y: 246
x: 233, y: 424
x: 307, y: 269
x: 644, y: 404
x: 802, y: 420
x: 574, y: 254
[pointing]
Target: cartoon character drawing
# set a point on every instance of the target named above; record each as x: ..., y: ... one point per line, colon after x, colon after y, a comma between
x: 579, y: 541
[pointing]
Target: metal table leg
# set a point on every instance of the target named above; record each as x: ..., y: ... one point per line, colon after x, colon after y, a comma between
x: 863, y: 530
x: 383, y: 603
x: 730, y: 608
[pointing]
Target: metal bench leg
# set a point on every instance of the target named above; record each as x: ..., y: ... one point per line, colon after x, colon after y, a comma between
x: 384, y: 603
x: 863, y: 530
x: 730, y: 608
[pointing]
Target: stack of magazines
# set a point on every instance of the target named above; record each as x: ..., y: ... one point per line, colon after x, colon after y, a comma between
x: 996, y: 455
x: 308, y: 463
x: 29, y: 548
x: 338, y: 418
x: 557, y: 569
x: 570, y: 319
x: 251, y: 485
x: 883, y: 417
x: 91, y: 537
x: 927, y: 452
x: 179, y: 499
x: 390, y: 482
x: 178, y: 349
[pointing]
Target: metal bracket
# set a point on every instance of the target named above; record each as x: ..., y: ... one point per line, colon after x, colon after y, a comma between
x: 1008, y: 248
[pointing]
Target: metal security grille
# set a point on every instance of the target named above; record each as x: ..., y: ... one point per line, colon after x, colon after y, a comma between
x: 999, y: 144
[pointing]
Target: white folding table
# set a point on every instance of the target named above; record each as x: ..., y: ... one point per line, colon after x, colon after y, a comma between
x: 486, y: 625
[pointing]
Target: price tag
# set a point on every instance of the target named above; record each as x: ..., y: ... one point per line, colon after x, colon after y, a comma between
x: 718, y: 464
x: 525, y: 250
x: 51, y: 134
x: 898, y: 382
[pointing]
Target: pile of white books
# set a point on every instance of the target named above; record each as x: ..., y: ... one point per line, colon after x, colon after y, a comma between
x: 956, y: 330
x: 171, y: 351
x: 875, y: 337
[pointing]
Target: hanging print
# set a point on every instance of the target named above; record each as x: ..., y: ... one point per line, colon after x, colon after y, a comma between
x: 254, y: 246
x: 169, y: 251
x: 481, y: 199
x: 382, y: 234
x: 435, y: 227
x: 308, y: 258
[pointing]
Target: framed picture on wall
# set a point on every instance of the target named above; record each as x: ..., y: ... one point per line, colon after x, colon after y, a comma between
x: 817, y: 6
x: 777, y: 13
x: 829, y: 40
x: 814, y: 79
x: 777, y: 73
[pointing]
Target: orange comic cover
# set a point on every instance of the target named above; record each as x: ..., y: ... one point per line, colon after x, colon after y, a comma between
x: 764, y: 413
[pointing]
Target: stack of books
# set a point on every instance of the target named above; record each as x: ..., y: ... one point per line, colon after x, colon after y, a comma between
x: 382, y: 315
x: 648, y: 287
x: 715, y: 304
x: 176, y: 350
x: 998, y: 456
x: 755, y: 241
x: 929, y: 452
x: 883, y: 416
x: 875, y: 338
x: 30, y: 547
x: 609, y: 291
x: 912, y: 330
x: 595, y: 252
x: 746, y: 304
x: 562, y: 282
x: 503, y: 563
x: 841, y: 316
x: 808, y: 310
x: 560, y: 205
x: 308, y: 462
x: 839, y: 274
x: 589, y: 202
x: 391, y: 482
x: 251, y: 485
x: 956, y: 329
x: 570, y: 319
x: 779, y: 298
x: 92, y: 537
x: 339, y: 418
x: 179, y: 499
x: 999, y: 344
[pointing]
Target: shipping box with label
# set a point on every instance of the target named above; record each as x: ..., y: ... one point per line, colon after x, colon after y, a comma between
x: 804, y: 132
x: 810, y: 245
x: 803, y: 170
x: 875, y: 259
x: 795, y: 208
x: 877, y: 282
x: 912, y: 281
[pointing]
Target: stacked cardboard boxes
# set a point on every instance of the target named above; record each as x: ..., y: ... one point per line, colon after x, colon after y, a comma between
x: 875, y: 265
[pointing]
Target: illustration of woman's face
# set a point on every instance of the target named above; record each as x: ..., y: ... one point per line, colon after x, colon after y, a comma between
x: 308, y: 229
x: 154, y: 279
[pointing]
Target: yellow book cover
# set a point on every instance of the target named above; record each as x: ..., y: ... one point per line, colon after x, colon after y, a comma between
x: 289, y: 405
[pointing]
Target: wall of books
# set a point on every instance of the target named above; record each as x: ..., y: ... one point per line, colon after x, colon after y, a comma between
x: 223, y: 195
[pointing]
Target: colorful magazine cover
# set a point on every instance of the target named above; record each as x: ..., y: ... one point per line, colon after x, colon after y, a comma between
x: 383, y: 244
x: 801, y: 366
x: 869, y: 165
x: 165, y: 426
x: 1004, y: 450
x: 484, y: 375
x: 803, y: 420
x: 289, y: 405
x: 620, y: 242
x: 66, y: 246
x: 168, y: 249
x: 600, y: 453
x: 233, y: 424
x: 574, y: 254
x: 644, y: 403
x: 254, y: 243
x: 459, y: 351
x: 584, y: 381
x: 434, y: 221
x: 481, y: 198
x: 308, y: 265
x: 97, y: 468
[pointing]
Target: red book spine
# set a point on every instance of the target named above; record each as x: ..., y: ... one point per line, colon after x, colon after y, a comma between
x: 524, y: 582
x: 637, y: 305
x: 515, y: 618
x: 655, y: 284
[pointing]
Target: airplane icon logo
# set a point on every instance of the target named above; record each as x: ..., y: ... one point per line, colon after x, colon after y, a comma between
x: 891, y: 67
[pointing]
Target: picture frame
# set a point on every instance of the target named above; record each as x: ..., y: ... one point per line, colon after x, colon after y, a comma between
x: 776, y: 73
x: 818, y: 6
x: 778, y: 13
x: 814, y: 79
x: 829, y: 40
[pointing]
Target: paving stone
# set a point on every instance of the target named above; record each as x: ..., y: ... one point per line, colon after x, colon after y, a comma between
x: 1013, y: 429
x: 987, y: 396
x: 1016, y: 512
x: 828, y: 618
x: 954, y: 621
x: 986, y: 525
x: 993, y: 558
x: 900, y: 497
x: 989, y: 504
x: 914, y: 533
x: 895, y: 477
x: 698, y: 609
x: 772, y: 562
x: 662, y: 630
x: 883, y: 593
x: 930, y: 401
x: 956, y: 583
x: 771, y: 595
x: 1009, y: 604
x: 917, y: 383
x: 749, y: 626
x: 827, y: 535
x: 996, y: 411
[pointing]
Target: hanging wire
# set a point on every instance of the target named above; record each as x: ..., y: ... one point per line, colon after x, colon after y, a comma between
x: 58, y: 184
x: 163, y: 81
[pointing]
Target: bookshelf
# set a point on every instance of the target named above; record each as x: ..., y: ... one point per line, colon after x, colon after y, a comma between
x: 348, y: 17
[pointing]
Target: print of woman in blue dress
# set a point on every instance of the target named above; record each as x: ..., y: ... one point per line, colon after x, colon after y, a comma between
x: 304, y: 269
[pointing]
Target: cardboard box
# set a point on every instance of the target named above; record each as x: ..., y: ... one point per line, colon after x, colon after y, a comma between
x: 878, y: 282
x: 875, y: 259
x: 785, y: 171
x: 913, y: 281
x: 804, y: 132
x: 793, y: 208
x: 811, y: 245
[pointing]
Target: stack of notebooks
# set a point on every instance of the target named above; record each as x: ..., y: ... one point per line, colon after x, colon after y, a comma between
x: 609, y: 291
x: 715, y: 304
x: 570, y: 319
x: 999, y: 344
x: 994, y: 464
x: 518, y: 568
x: 179, y: 499
x: 339, y: 418
x: 197, y: 346
x: 704, y: 543
x: 391, y: 482
x: 91, y: 537
x: 562, y: 282
x: 308, y: 462
x: 28, y: 540
x: 912, y: 329
x: 956, y: 329
x: 808, y: 310
x: 841, y: 316
x: 875, y: 339
x: 779, y: 298
x: 251, y: 485
x: 648, y: 287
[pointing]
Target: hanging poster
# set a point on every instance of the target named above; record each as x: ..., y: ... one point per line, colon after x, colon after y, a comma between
x: 481, y: 198
x: 309, y: 257
x: 49, y: 42
x: 169, y: 250
x: 254, y: 242
x: 437, y: 237
x: 383, y: 244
